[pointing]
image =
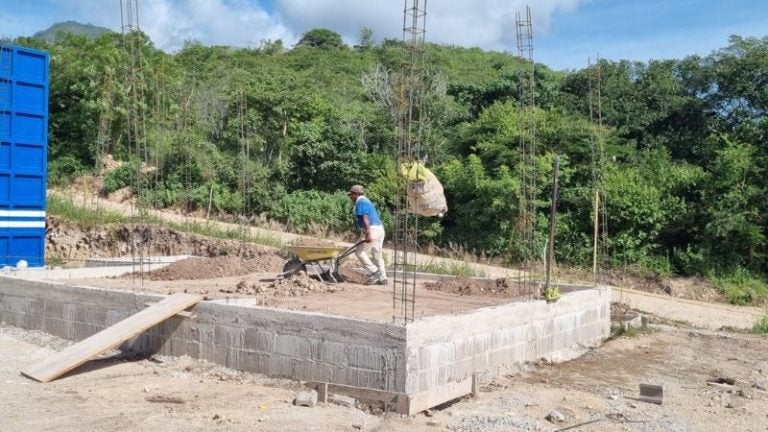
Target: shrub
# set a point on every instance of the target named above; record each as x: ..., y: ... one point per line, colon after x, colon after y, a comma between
x: 761, y: 326
x: 121, y: 177
x: 740, y: 287
x: 63, y: 170
x: 304, y: 210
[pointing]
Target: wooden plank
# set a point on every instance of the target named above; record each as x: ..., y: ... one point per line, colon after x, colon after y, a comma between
x: 109, y: 338
x: 431, y: 398
x: 355, y: 392
x: 182, y: 314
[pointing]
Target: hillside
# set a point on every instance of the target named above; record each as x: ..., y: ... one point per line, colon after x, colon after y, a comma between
x: 70, y: 27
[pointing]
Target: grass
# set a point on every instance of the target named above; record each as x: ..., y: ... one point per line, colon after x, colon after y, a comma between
x: 212, y: 230
x: 453, y: 268
x: 622, y: 330
x: 740, y: 287
x: 761, y: 326
x: 83, y: 216
x: 68, y: 209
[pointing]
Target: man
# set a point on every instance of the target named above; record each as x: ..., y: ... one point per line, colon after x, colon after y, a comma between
x: 367, y: 219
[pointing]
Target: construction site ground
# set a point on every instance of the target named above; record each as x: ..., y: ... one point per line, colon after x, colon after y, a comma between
x: 692, y: 343
x: 370, y: 302
x: 182, y: 394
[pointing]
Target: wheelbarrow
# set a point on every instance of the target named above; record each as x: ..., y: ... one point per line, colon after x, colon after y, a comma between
x: 323, y: 262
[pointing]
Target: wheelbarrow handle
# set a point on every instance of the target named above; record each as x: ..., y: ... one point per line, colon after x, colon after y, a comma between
x: 349, y: 250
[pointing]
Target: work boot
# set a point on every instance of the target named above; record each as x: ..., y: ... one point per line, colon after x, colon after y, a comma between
x: 373, y: 278
x: 382, y: 282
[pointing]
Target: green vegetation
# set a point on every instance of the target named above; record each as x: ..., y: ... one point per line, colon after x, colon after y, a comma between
x: 761, y: 326
x: 622, y: 330
x: 684, y: 143
x: 551, y: 294
x: 740, y: 286
x: 84, y: 215
x: 59, y: 30
x: 214, y: 230
x: 454, y: 268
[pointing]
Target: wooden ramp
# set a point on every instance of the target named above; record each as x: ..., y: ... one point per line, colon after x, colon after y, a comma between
x: 109, y: 338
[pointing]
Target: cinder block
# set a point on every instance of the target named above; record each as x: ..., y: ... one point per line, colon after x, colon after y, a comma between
x: 259, y: 340
x: 333, y: 353
x: 230, y: 337
x: 307, y: 398
x: 84, y: 330
x: 293, y: 346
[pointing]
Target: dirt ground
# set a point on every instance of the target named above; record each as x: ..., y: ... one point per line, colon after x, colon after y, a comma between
x: 370, y: 302
x: 215, y: 267
x: 463, y: 286
x: 182, y: 394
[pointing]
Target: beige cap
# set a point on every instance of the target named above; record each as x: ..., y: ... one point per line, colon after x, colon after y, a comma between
x: 356, y: 189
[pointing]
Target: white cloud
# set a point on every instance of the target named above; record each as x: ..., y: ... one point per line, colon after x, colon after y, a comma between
x: 487, y: 24
x: 170, y: 22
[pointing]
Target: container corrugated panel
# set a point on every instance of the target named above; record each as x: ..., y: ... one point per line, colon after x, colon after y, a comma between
x: 23, y: 154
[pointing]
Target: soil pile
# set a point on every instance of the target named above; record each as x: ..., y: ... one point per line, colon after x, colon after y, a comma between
x: 216, y: 267
x: 501, y: 287
x: 295, y: 286
x: 71, y: 242
x: 311, y: 242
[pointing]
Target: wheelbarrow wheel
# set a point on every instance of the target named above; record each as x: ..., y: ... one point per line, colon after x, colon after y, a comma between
x: 292, y: 267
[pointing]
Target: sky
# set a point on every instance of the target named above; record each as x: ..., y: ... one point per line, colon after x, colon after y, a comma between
x: 566, y: 32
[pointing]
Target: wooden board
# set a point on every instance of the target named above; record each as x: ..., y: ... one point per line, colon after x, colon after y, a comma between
x: 79, y: 353
x: 414, y: 404
x: 404, y: 403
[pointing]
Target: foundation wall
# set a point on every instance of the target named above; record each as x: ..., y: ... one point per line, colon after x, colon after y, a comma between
x: 296, y: 345
x: 424, y: 358
x: 445, y: 349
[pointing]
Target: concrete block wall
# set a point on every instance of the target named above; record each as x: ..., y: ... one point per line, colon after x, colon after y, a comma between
x: 444, y: 349
x: 423, y: 356
x: 296, y: 345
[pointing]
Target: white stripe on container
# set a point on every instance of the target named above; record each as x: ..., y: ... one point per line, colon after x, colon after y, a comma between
x: 22, y: 213
x: 18, y: 224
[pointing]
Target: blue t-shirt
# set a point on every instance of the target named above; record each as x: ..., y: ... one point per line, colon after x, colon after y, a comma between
x: 364, y: 206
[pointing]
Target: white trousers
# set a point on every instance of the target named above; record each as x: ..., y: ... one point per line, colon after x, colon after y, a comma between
x: 373, y: 248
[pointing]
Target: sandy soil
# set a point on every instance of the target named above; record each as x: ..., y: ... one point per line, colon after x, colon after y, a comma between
x: 462, y: 286
x: 371, y: 302
x: 181, y: 394
x: 207, y: 268
x: 697, y: 313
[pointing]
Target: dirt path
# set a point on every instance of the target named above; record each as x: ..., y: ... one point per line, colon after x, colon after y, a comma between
x: 124, y: 208
x: 699, y: 314
x: 181, y: 394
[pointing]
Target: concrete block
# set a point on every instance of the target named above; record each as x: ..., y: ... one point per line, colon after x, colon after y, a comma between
x: 227, y: 336
x: 293, y: 346
x: 334, y: 353
x: 259, y: 340
x: 365, y: 357
x: 307, y: 398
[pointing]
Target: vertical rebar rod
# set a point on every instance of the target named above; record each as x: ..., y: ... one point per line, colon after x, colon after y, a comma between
x: 409, y: 136
x: 552, y: 221
x: 527, y: 149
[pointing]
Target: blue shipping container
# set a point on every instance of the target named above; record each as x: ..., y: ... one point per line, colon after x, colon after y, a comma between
x: 23, y: 154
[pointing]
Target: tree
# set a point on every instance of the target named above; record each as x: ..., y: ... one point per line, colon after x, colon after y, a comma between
x: 321, y: 38
x: 365, y: 39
